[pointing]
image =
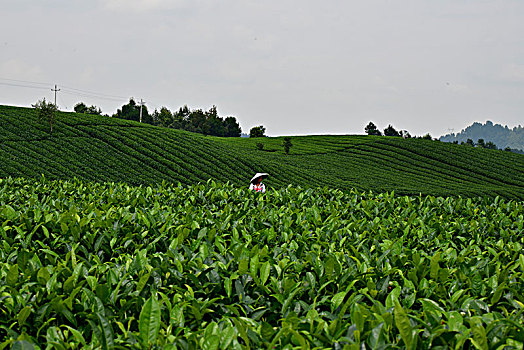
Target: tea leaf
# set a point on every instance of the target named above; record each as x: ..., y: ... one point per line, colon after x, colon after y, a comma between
x: 149, y: 322
x: 478, y: 333
x: 403, y: 325
x: 23, y: 315
x: 12, y: 275
x: 265, y: 269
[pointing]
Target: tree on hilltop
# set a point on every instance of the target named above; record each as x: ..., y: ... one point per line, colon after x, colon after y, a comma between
x: 391, y: 131
x: 371, y: 129
x: 131, y: 111
x: 491, y: 145
x: 196, y: 120
x: 81, y: 107
x: 405, y: 134
x: 180, y: 118
x: 213, y: 124
x: 46, y: 111
x: 164, y: 117
x: 232, y: 127
x: 257, y: 131
x: 481, y: 143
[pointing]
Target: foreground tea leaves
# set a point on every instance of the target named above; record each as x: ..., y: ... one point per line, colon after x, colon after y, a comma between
x: 111, y: 266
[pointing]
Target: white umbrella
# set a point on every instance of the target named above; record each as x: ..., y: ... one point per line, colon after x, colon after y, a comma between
x: 257, y: 175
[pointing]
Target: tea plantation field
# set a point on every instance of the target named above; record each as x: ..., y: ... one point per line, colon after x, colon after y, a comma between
x: 102, y: 265
x: 97, y: 148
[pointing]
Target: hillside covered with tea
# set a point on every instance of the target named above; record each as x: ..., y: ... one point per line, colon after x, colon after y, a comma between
x: 98, y: 148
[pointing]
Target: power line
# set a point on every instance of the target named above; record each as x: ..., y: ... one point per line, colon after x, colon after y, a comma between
x: 65, y: 89
x: 92, y: 93
x: 25, y: 81
x: 26, y: 86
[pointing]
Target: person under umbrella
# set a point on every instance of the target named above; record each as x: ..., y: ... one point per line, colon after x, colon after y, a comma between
x: 256, y: 182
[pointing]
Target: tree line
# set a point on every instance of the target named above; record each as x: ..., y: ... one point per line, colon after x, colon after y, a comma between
x: 371, y: 129
x: 197, y: 120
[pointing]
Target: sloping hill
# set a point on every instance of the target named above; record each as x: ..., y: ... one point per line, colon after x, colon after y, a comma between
x: 107, y: 149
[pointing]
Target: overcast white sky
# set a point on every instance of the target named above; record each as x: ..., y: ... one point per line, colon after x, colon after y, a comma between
x: 296, y: 67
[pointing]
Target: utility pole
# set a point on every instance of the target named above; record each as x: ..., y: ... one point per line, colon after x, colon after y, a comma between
x: 141, y: 104
x: 55, y: 90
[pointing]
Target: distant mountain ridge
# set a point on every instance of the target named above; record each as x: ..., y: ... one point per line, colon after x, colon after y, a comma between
x: 502, y: 136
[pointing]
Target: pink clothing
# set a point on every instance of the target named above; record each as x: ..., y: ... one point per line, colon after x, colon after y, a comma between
x: 258, y: 187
